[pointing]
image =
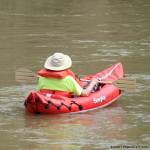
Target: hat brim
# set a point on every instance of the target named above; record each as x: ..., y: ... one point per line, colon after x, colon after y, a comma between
x: 67, y: 64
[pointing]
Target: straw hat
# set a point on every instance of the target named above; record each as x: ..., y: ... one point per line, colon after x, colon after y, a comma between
x: 58, y: 62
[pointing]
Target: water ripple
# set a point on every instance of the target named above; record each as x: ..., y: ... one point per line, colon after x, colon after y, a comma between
x: 12, y: 98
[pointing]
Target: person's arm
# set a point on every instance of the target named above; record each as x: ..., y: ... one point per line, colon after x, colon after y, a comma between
x: 76, y: 89
x: 87, y: 91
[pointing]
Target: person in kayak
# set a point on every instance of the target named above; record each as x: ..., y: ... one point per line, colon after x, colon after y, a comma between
x: 57, y: 77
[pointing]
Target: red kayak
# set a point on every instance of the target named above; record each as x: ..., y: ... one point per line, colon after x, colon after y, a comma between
x: 43, y: 102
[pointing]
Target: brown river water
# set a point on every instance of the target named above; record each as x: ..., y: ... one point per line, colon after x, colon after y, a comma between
x: 96, y: 34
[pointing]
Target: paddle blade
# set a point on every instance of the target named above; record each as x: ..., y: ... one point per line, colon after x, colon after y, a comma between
x: 25, y: 76
x: 125, y: 84
x: 125, y: 81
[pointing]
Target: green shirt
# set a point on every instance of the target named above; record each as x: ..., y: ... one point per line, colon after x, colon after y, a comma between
x: 67, y: 84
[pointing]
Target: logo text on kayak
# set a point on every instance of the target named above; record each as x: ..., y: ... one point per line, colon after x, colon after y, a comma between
x: 99, y: 99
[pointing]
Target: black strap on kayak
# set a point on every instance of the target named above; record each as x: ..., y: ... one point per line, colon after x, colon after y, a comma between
x: 27, y: 100
x: 62, y: 104
x: 50, y: 102
x: 58, y: 107
x: 68, y: 107
x: 37, y: 100
x: 79, y: 106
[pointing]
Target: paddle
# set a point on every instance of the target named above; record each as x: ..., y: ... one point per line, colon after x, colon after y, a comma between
x: 26, y: 76
x: 123, y: 84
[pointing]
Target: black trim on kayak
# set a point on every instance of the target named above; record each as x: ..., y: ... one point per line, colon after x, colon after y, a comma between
x: 69, y: 107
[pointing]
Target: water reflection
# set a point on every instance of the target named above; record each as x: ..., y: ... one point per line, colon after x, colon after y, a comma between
x: 92, y: 127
